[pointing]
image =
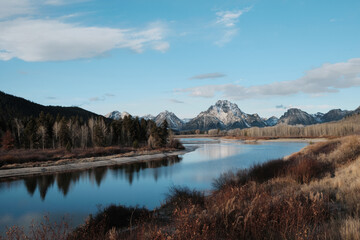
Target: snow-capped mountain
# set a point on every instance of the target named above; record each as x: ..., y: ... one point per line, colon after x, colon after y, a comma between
x: 272, y: 121
x: 148, y: 117
x: 295, y: 116
x: 318, y: 116
x: 173, y: 121
x: 186, y: 120
x: 227, y: 115
x: 116, y: 115
x: 224, y: 115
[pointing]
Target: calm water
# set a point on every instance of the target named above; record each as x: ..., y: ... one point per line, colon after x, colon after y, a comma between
x: 145, y: 184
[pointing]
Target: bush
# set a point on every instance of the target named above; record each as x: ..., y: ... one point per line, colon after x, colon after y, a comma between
x: 180, y: 197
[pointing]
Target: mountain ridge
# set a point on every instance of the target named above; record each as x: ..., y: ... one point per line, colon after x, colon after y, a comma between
x: 226, y: 115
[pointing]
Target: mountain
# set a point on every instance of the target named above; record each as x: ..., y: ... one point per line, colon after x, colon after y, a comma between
x: 227, y: 115
x: 295, y: 116
x: 224, y: 115
x: 173, y: 121
x: 272, y: 121
x: 15, y: 107
x: 356, y: 111
x: 254, y: 120
x: 186, y: 120
x: 116, y: 115
x: 318, y: 116
x: 148, y: 117
x: 334, y: 115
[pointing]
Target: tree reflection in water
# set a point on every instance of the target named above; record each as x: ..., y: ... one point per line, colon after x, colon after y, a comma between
x: 64, y: 181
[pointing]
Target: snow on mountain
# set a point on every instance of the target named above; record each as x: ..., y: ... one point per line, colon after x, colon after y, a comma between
x: 227, y: 115
x: 148, y: 117
x: 116, y: 115
x: 224, y: 115
x: 173, y: 121
x: 272, y: 121
x: 186, y: 120
x: 295, y: 116
x: 318, y: 116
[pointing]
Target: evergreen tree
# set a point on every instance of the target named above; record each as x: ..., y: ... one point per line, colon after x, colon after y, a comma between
x: 8, y: 141
x: 64, y: 134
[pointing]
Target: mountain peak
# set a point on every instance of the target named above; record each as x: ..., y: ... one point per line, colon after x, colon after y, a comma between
x: 116, y: 115
x: 173, y: 121
x: 295, y: 116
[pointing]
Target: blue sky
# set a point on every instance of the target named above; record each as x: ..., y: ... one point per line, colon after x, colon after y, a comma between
x: 146, y: 56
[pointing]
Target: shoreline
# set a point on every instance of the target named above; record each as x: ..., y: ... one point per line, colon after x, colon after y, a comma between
x: 254, y: 140
x: 89, y: 163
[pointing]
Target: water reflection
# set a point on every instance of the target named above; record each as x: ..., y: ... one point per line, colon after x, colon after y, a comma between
x: 220, y: 151
x: 64, y: 181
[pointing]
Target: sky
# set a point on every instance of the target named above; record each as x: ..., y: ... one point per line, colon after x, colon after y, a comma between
x: 145, y: 57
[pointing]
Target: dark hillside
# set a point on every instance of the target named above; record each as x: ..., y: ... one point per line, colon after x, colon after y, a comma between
x: 15, y: 107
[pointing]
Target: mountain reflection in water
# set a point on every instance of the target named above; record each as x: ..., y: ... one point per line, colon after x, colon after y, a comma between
x: 65, y: 180
x: 220, y: 151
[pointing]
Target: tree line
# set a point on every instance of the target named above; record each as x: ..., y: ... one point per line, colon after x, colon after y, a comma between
x: 349, y: 125
x: 47, y: 132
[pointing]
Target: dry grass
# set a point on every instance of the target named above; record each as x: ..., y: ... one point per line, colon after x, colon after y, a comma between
x: 36, y: 157
x: 41, y: 230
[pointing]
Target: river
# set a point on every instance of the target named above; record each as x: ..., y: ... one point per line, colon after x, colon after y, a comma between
x: 77, y: 194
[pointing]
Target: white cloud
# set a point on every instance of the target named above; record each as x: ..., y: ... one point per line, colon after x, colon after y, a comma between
x: 227, y: 20
x: 161, y: 46
x: 62, y: 2
x: 230, y: 18
x: 10, y: 8
x: 227, y: 36
x: 53, y: 40
x: 208, y: 76
x: 328, y: 78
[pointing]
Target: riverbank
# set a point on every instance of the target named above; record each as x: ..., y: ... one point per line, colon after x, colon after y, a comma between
x: 254, y: 140
x: 68, y: 165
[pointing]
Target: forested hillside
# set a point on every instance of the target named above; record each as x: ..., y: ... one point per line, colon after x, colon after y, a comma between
x: 28, y: 125
x: 15, y: 107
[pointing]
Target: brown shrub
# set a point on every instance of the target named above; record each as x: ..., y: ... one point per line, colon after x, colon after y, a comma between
x: 45, y: 229
x: 251, y: 212
x: 347, y: 151
x: 306, y: 169
x: 107, y: 219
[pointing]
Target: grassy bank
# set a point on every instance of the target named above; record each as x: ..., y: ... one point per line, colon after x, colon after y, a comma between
x: 312, y: 194
x: 37, y: 157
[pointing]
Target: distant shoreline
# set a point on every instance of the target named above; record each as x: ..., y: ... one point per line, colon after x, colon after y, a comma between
x: 262, y: 139
x: 87, y: 163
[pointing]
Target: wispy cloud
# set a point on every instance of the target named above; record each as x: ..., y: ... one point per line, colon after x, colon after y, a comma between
x: 62, y: 2
x: 281, y: 106
x: 208, y: 76
x: 175, y: 101
x: 329, y: 78
x: 53, y: 40
x: 101, y: 98
x: 96, y: 99
x: 228, y: 20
